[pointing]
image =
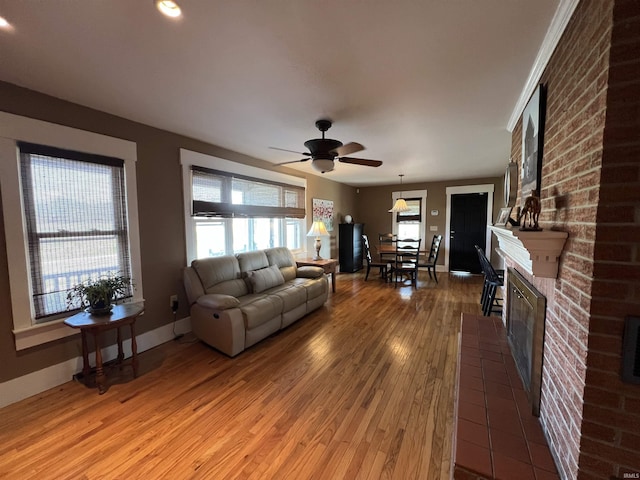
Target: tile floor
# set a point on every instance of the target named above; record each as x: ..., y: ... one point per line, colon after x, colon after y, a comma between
x: 497, y: 436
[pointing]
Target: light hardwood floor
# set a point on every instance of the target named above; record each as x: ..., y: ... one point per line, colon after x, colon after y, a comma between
x: 360, y: 389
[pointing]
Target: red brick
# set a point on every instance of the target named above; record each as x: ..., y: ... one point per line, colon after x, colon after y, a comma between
x: 604, y: 380
x: 613, y: 418
x: 598, y: 431
x: 630, y: 440
x: 612, y: 270
x: 620, y: 193
x: 605, y: 343
x: 610, y: 308
x: 616, y: 214
x: 632, y: 405
x: 602, y: 397
x: 612, y: 289
x: 611, y: 453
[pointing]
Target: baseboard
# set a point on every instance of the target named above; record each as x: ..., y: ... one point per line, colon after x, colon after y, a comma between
x: 33, y: 383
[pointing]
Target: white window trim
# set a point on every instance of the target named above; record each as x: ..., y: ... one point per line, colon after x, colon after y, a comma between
x: 423, y: 209
x: 189, y: 158
x: 15, y: 128
x: 484, y: 188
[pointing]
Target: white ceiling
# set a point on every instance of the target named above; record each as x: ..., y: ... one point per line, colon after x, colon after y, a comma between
x: 428, y: 86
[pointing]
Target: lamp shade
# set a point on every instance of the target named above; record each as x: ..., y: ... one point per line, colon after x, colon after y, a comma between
x: 400, y: 206
x: 317, y: 229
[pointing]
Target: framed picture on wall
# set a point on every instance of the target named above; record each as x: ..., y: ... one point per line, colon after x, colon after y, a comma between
x: 323, y: 210
x: 532, y: 142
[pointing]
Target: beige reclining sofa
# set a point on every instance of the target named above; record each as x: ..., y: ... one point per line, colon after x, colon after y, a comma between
x: 237, y: 300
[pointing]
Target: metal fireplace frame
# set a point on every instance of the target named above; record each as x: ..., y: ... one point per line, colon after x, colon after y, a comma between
x: 521, y: 293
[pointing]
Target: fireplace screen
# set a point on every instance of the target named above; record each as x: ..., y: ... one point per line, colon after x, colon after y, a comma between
x: 525, y: 331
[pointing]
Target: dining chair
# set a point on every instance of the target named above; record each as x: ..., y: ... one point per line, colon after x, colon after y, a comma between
x: 429, y: 262
x: 406, y: 260
x: 382, y: 265
x: 387, y: 240
x: 492, y: 281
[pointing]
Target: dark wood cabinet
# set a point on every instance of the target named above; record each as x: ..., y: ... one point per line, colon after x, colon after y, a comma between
x: 350, y: 248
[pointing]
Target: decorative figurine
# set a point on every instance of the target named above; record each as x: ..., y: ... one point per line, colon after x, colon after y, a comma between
x: 530, y: 213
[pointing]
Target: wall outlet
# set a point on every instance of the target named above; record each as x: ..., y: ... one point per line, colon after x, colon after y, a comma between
x: 173, y: 302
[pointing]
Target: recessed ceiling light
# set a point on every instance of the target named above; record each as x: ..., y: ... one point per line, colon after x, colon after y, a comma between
x: 4, y: 23
x: 168, y: 8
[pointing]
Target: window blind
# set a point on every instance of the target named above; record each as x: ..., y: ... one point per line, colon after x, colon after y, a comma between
x: 414, y: 214
x: 76, y: 219
x: 222, y: 194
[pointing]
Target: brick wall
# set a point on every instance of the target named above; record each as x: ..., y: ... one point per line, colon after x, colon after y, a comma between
x: 610, y: 443
x: 576, y: 81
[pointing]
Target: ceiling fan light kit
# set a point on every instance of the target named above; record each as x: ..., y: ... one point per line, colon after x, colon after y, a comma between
x: 324, y: 151
x: 323, y: 164
x: 168, y: 8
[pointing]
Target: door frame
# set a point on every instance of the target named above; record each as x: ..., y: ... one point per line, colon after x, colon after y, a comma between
x: 487, y: 188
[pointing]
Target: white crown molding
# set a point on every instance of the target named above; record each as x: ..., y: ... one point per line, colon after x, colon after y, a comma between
x: 554, y: 32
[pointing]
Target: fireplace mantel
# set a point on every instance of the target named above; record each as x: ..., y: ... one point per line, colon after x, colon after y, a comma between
x: 536, y: 252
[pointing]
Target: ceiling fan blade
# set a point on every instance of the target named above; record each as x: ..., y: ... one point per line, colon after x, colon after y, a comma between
x: 290, y: 151
x: 360, y: 161
x: 348, y: 149
x: 293, y: 161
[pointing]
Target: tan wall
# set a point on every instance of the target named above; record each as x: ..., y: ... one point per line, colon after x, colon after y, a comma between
x: 344, y: 199
x: 374, y: 203
x: 160, y: 212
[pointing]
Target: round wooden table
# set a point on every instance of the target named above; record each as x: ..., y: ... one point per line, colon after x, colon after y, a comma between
x: 121, y: 315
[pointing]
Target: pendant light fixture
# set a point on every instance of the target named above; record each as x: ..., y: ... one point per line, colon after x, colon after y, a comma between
x: 401, y: 204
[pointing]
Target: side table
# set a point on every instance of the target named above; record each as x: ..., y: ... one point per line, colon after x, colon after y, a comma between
x: 329, y: 266
x: 121, y: 315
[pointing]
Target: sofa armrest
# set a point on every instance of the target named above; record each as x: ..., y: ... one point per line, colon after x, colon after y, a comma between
x: 218, y: 301
x: 309, y: 272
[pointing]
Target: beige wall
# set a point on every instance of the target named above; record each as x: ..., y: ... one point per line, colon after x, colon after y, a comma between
x: 162, y: 238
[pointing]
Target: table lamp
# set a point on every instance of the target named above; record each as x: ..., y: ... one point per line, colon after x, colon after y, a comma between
x: 316, y: 230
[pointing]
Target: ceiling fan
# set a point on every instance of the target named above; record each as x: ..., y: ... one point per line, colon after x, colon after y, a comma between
x: 323, y: 151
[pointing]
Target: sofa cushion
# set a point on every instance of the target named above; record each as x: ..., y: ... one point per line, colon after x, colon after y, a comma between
x: 249, y: 261
x: 262, y: 309
x: 220, y: 275
x: 283, y: 258
x: 265, y: 278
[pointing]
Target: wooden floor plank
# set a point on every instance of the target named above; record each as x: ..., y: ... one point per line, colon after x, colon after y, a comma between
x: 360, y: 389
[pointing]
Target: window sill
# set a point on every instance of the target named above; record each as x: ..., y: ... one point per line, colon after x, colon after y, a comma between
x: 43, y: 333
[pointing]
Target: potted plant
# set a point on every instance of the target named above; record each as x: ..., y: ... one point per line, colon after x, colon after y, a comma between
x: 98, y: 294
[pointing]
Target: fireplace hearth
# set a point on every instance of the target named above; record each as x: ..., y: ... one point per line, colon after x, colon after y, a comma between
x: 525, y: 318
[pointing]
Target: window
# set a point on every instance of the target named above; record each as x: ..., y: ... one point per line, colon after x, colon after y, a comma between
x: 409, y: 221
x: 233, y: 208
x: 75, y: 211
x: 410, y: 224
x: 32, y: 324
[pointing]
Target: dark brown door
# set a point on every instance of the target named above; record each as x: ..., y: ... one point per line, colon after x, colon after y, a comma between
x: 468, y: 228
